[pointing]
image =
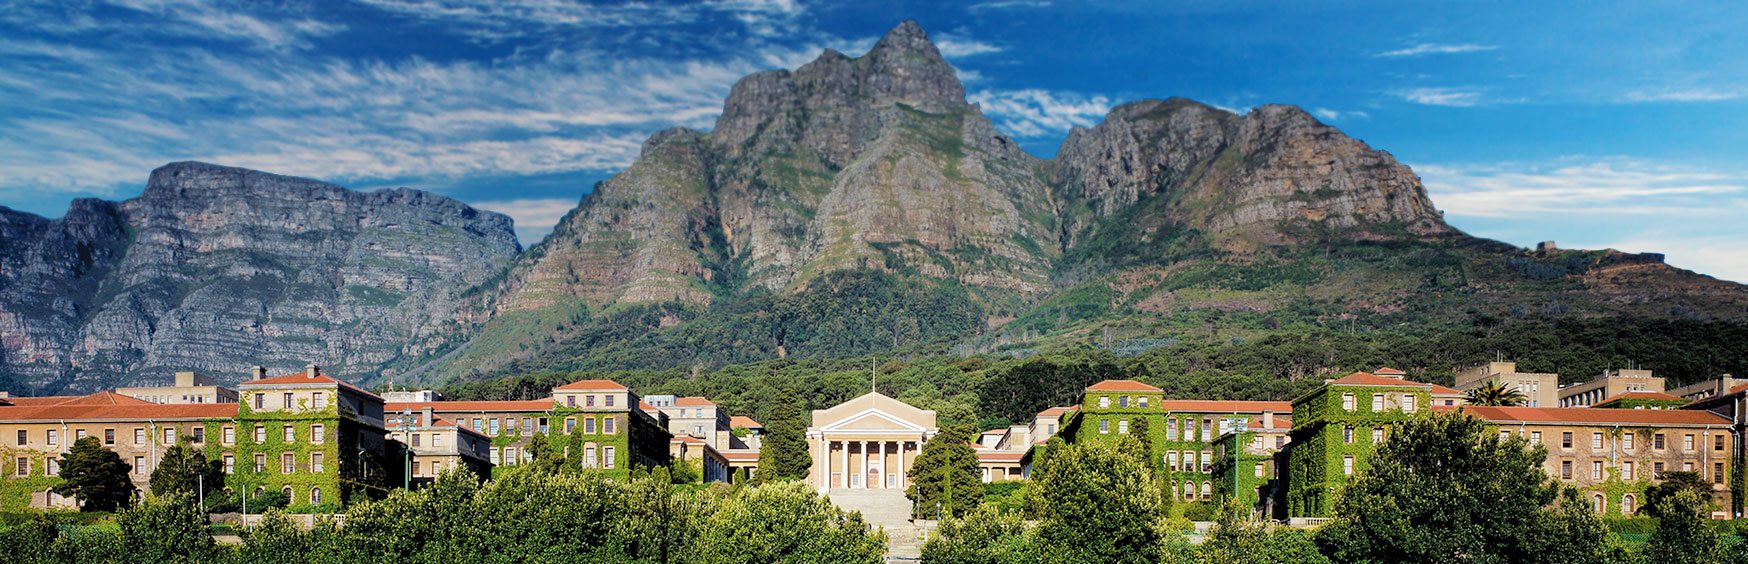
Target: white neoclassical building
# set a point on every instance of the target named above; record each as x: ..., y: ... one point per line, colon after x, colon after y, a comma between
x: 867, y: 442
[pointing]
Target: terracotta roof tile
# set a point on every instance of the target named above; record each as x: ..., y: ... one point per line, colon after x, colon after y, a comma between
x: 1444, y: 391
x: 1057, y: 411
x: 1280, y: 423
x: 1226, y: 406
x: 693, y: 401
x: 1121, y: 386
x: 594, y: 386
x: 303, y: 378
x: 741, y: 455
x: 1369, y: 379
x: 1000, y: 455
x: 1387, y: 371
x: 458, y: 406
x: 1595, y: 415
x: 744, y: 421
x: 118, y: 412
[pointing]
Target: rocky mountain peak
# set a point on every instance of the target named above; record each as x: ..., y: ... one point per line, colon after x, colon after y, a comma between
x: 904, y: 66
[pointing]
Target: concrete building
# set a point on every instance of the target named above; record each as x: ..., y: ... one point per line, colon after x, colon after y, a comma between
x: 1607, y: 385
x: 187, y: 387
x: 867, y: 443
x: 1538, y: 389
x: 431, y: 445
x: 1709, y: 388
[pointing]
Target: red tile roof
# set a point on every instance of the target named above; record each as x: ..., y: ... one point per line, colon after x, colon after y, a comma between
x: 688, y: 439
x: 1387, y: 371
x: 1444, y: 391
x: 1057, y: 411
x: 987, y: 455
x: 1121, y: 386
x: 457, y: 406
x: 741, y: 455
x: 1226, y: 406
x: 1369, y: 379
x: 594, y: 386
x: 1280, y: 423
x: 693, y: 401
x: 38, y: 400
x: 1594, y: 415
x: 99, y: 398
x: 302, y: 378
x: 118, y: 412
x: 744, y: 421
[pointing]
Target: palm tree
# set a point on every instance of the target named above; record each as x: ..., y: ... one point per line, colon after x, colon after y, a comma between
x: 1492, y: 393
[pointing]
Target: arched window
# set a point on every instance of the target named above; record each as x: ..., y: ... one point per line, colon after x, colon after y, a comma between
x: 1189, y: 490
x: 289, y: 495
x: 316, y: 496
x: 1207, y: 490
x: 1629, y: 503
x: 1600, y: 503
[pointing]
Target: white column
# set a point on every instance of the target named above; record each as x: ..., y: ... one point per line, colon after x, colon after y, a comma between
x: 844, y: 473
x: 865, y: 463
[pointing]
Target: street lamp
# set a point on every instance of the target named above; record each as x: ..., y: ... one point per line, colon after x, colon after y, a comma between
x: 407, y: 466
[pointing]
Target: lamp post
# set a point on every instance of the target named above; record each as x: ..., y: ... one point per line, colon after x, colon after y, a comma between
x: 407, y: 466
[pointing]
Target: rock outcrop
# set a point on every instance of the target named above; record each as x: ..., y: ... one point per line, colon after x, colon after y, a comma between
x: 216, y: 269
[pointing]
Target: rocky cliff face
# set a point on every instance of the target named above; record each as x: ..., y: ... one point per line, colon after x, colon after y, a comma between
x: 216, y: 269
x: 1254, y: 178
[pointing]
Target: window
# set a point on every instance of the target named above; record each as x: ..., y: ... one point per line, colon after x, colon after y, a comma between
x: 589, y: 425
x: 1347, y: 435
x: 230, y: 464
x: 1280, y: 441
x: 607, y: 424
x: 316, y: 462
x: 478, y: 425
x: 318, y: 433
x: 509, y: 425
x: 1566, y: 439
x: 230, y: 435
x: 1260, y: 471
x: 289, y: 495
x: 1687, y: 442
x: 1377, y: 402
x: 1408, y: 403
x: 1207, y: 490
x: 589, y: 457
x: 1377, y: 435
x: 139, y: 436
x: 1123, y: 427
x: 436, y: 440
x: 23, y: 468
x: 52, y: 466
x: 608, y: 451
x: 1347, y: 465
x: 589, y: 401
x: 290, y: 434
x: 1171, y: 460
x: 570, y: 401
x: 1207, y: 429
x: 1718, y: 443
x: 23, y: 437
x: 415, y: 439
x: 315, y: 496
x: 1598, y: 504
x: 140, y: 465
x: 1717, y: 472
x: 1123, y: 401
x: 1565, y: 469
x: 1207, y: 460
x: 1535, y: 437
x: 1504, y: 436
x: 319, y: 400
x: 1347, y: 402
x: 1627, y: 441
x: 260, y: 463
x: 1596, y: 469
x: 1657, y: 441
x: 287, y: 400
x: 260, y: 434
x: 609, y: 404
x: 55, y: 437
x: 169, y: 436
x: 509, y: 455
x: 1656, y: 470
x: 569, y: 424
x: 78, y: 434
x: 526, y: 426
x: 1170, y: 430
x: 1596, y: 441
x: 495, y: 458
x: 543, y: 427
x: 1627, y: 473
x: 1104, y: 426
x: 1687, y: 467
x: 1143, y: 400
x: 1104, y: 401
x: 260, y: 401
x: 1189, y: 490
x: 287, y: 463
x: 1629, y: 504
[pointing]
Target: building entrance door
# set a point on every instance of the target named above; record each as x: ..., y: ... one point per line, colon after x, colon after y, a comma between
x: 873, y: 477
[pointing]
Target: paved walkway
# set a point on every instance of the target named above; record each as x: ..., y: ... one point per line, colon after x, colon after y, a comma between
x: 888, y: 509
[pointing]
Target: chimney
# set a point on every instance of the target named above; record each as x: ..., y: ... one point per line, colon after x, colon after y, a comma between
x: 425, y: 416
x: 258, y: 372
x: 310, y: 370
x: 1268, y: 419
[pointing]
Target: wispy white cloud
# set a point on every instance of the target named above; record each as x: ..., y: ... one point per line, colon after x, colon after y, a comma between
x: 1338, y: 115
x: 1460, y: 97
x: 1040, y: 113
x: 534, y: 216
x: 1002, y: 4
x: 1693, y: 94
x: 954, y: 46
x: 1437, y: 49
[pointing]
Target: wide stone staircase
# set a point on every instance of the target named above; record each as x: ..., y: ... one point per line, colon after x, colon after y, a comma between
x: 886, y: 508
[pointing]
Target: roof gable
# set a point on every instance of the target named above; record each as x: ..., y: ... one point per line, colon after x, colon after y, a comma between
x: 592, y: 386
x: 1121, y: 386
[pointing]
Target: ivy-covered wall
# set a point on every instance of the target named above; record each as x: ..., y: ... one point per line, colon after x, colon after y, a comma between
x: 1320, y: 449
x: 16, y: 490
x: 1235, y: 469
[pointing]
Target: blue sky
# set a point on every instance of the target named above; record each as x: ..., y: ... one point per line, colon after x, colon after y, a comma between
x: 1600, y: 124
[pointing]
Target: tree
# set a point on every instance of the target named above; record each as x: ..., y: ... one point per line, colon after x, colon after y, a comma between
x: 784, y: 454
x: 1099, y: 506
x: 983, y: 536
x: 1675, y: 482
x: 783, y: 523
x: 945, y: 478
x: 1682, y: 537
x: 1236, y: 540
x: 95, y: 476
x: 1143, y: 447
x: 1435, y: 492
x: 167, y: 529
x: 184, y: 469
x: 1494, y: 393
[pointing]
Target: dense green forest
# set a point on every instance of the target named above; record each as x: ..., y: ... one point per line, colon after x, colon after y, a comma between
x: 997, y: 389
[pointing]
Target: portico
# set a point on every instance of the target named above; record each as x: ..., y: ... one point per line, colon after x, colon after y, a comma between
x: 866, y: 443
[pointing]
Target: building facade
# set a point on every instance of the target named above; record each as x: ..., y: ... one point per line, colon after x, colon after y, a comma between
x: 1336, y: 427
x: 1607, y: 385
x: 867, y: 442
x: 431, y: 445
x: 187, y: 387
x: 1248, y: 464
x: 1538, y: 389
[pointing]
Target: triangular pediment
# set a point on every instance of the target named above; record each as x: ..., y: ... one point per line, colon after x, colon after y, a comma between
x: 875, y: 420
x: 874, y: 411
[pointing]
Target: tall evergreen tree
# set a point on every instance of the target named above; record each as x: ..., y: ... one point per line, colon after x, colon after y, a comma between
x: 945, y: 479
x: 784, y: 453
x: 1682, y: 537
x: 96, y: 477
x: 185, y: 469
x: 1100, y: 506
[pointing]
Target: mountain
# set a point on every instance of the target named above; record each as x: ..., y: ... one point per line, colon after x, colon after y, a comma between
x: 217, y: 269
x: 854, y: 206
x: 860, y: 205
